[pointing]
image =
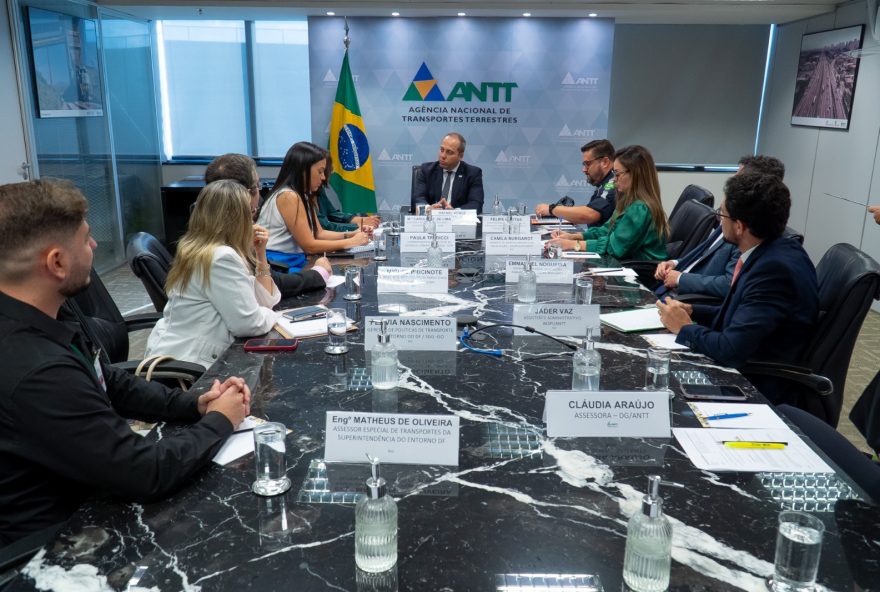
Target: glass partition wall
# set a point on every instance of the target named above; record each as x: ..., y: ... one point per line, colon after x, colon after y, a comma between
x: 88, y: 80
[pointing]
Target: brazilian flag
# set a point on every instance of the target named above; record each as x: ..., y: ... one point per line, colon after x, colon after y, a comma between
x: 352, y: 177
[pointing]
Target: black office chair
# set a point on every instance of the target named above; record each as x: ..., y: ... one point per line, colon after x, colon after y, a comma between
x: 416, y: 171
x: 853, y: 462
x: 692, y: 224
x: 865, y: 414
x: 701, y: 194
x: 790, y: 232
x: 105, y: 326
x: 150, y: 262
x: 849, y: 281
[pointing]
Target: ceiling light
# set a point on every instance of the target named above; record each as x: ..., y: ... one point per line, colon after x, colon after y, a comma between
x: 331, y: 13
x: 592, y: 15
x: 395, y: 14
x: 462, y: 14
x: 527, y: 14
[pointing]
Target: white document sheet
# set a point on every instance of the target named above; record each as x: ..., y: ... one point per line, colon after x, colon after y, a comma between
x: 239, y: 443
x: 664, y: 340
x: 579, y: 255
x: 759, y: 416
x: 335, y: 280
x: 638, y: 319
x: 705, y: 448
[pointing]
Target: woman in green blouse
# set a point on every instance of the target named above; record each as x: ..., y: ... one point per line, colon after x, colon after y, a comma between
x: 638, y: 228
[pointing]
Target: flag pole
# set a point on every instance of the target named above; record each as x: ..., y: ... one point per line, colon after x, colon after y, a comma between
x: 346, y: 40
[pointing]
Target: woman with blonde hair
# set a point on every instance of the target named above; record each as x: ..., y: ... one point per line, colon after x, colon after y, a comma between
x: 638, y: 228
x: 290, y: 213
x: 219, y: 286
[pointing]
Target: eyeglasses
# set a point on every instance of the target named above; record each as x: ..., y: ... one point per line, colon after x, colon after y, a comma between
x: 619, y: 173
x: 587, y: 163
x: 720, y: 215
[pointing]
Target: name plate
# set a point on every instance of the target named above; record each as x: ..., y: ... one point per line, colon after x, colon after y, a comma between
x: 547, y: 271
x: 626, y: 414
x: 399, y: 438
x: 558, y: 320
x: 513, y: 244
x: 499, y: 224
x: 413, y: 333
x: 457, y: 216
x: 417, y: 223
x: 412, y: 280
x: 418, y: 242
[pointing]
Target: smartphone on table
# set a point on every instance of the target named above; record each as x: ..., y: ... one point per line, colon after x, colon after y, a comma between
x: 267, y: 345
x: 713, y: 392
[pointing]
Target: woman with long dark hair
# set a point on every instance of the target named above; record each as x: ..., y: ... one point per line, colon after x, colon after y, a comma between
x: 291, y: 211
x: 638, y: 228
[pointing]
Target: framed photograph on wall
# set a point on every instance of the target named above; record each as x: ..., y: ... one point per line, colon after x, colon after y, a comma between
x: 826, y: 78
x: 66, y: 71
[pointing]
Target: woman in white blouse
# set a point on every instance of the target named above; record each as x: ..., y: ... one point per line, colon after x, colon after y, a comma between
x: 219, y: 286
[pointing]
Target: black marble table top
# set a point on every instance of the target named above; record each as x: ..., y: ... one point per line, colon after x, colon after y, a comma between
x: 518, y: 503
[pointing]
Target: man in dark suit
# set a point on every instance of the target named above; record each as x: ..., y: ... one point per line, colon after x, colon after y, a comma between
x: 449, y: 182
x: 771, y: 308
x: 707, y: 268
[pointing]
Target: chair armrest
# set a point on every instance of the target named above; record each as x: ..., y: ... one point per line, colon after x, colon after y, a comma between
x: 174, y: 369
x: 820, y: 385
x: 141, y: 321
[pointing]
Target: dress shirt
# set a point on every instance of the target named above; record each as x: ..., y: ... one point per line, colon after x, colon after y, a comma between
x: 63, y: 437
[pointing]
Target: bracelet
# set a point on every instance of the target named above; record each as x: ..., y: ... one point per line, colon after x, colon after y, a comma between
x: 263, y: 273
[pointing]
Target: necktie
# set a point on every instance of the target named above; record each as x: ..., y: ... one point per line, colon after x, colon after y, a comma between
x: 736, y: 270
x: 444, y: 193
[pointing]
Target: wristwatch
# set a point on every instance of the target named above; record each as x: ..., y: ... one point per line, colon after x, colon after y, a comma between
x: 577, y: 245
x: 551, y: 208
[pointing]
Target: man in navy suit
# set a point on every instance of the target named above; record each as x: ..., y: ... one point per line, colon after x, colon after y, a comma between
x: 449, y: 182
x: 707, y: 268
x: 772, y: 306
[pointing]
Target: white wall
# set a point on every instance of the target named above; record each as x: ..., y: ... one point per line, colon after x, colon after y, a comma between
x: 12, y: 149
x: 830, y: 172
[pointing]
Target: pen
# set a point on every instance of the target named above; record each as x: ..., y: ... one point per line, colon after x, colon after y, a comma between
x: 755, y: 445
x: 727, y: 416
x: 610, y: 270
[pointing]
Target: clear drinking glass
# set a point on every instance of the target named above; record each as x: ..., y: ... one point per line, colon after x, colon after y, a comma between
x: 269, y: 459
x: 657, y: 369
x: 354, y: 278
x: 521, y: 206
x: 798, y: 548
x: 337, y: 325
x: 583, y: 290
x: 379, y: 245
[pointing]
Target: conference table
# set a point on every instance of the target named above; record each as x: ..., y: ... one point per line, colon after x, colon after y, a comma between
x: 521, y: 511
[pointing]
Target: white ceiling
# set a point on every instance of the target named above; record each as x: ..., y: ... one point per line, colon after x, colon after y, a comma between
x: 733, y: 12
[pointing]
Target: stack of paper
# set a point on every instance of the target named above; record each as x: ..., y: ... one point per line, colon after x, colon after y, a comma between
x: 707, y: 450
x: 305, y: 329
x: 580, y: 255
x: 663, y: 340
x: 730, y: 416
x: 639, y: 319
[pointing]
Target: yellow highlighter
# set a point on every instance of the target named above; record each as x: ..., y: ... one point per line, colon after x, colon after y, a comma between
x: 755, y: 445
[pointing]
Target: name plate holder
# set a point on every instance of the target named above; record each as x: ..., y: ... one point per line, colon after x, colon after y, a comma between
x: 417, y: 223
x: 500, y: 225
x: 412, y: 280
x: 413, y: 333
x: 513, y: 244
x: 399, y: 438
x: 547, y: 271
x: 418, y: 242
x: 600, y: 414
x: 558, y: 320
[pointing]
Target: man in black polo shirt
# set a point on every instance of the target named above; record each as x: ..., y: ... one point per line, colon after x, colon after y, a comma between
x: 597, y: 163
x: 62, y: 433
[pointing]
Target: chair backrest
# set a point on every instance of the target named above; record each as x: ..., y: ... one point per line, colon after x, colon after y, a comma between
x: 150, y: 261
x: 701, y: 194
x: 416, y: 171
x: 849, y: 280
x: 691, y: 224
x: 100, y: 318
x: 790, y: 232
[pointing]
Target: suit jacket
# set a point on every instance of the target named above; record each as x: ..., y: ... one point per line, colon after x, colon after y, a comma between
x: 769, y: 314
x: 713, y: 270
x: 467, y: 188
